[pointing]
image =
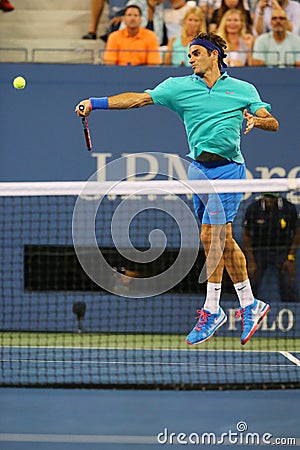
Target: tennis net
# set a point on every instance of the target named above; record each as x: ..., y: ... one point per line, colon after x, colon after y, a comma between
x: 100, y: 286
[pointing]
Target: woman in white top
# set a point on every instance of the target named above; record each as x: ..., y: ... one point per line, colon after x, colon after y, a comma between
x: 239, y: 43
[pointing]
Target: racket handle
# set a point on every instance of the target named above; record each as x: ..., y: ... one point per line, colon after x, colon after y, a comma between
x: 86, y: 130
x: 87, y: 134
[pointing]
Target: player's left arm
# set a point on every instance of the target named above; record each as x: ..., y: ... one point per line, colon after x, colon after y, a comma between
x: 262, y: 119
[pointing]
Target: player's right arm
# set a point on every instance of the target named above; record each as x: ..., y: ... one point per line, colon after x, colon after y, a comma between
x: 126, y: 100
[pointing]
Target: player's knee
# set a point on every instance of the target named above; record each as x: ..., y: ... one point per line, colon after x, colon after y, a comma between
x: 230, y: 244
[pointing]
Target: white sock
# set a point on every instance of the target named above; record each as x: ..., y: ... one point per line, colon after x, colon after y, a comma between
x: 244, y: 293
x: 213, y: 294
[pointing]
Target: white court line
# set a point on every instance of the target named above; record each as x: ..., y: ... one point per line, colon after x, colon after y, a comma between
x: 92, y: 439
x: 77, y: 438
x: 137, y: 363
x: 291, y: 357
x: 188, y: 349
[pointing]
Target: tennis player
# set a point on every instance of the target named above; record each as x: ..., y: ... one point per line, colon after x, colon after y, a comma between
x: 212, y: 106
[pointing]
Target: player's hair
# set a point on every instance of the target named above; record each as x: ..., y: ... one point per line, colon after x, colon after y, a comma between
x: 216, y: 40
x: 133, y: 6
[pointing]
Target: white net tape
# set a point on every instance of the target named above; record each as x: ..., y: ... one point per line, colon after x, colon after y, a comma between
x: 154, y: 187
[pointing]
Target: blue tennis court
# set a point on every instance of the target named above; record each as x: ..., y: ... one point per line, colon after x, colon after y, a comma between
x: 78, y: 419
x: 88, y: 366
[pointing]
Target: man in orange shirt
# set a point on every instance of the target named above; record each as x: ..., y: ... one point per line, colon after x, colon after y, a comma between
x: 133, y: 45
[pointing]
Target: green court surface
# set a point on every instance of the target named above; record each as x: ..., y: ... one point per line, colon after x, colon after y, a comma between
x: 143, y: 341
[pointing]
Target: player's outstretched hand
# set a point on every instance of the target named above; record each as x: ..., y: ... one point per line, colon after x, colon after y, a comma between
x: 83, y: 108
x: 250, y: 121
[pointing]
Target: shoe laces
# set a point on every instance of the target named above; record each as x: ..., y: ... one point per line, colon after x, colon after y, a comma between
x: 202, y: 318
x: 242, y: 312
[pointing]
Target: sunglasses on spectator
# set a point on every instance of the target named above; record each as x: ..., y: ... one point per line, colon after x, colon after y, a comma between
x: 278, y: 17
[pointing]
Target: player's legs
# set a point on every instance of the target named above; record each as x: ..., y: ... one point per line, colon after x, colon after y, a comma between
x: 213, y: 241
x: 251, y: 311
x: 211, y: 316
x: 221, y: 219
x: 222, y: 250
x: 210, y: 212
x: 234, y: 258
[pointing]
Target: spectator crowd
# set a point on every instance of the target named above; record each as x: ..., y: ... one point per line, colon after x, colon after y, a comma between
x: 151, y: 32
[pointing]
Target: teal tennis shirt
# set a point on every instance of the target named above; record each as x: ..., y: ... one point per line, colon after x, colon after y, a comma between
x: 212, y: 117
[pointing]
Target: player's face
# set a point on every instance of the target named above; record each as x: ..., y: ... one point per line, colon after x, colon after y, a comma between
x: 200, y: 60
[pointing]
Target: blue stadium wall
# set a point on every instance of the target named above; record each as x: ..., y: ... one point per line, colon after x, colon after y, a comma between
x: 41, y: 137
x: 41, y: 140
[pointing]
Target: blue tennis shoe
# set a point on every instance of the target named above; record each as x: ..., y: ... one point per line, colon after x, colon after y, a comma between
x: 206, y: 326
x: 251, y: 316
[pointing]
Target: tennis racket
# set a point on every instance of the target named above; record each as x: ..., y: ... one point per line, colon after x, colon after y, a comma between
x: 86, y: 130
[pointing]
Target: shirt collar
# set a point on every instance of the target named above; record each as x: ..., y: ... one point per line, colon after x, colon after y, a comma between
x: 138, y: 35
x: 223, y: 75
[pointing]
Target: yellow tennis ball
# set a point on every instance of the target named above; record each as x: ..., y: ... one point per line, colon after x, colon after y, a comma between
x: 19, y: 83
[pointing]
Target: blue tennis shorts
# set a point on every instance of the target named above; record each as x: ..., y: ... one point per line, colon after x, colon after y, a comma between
x: 216, y: 209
